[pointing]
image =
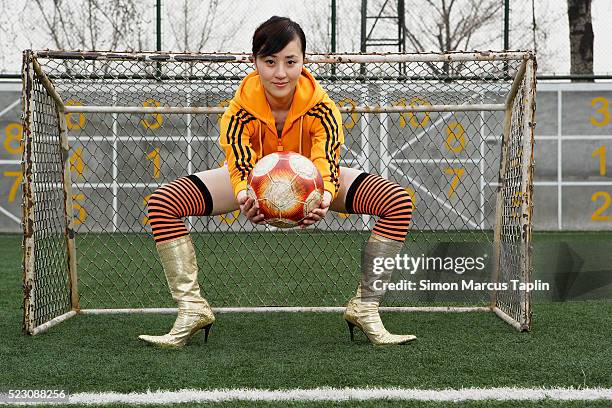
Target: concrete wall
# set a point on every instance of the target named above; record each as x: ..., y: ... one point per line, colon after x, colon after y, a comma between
x: 573, y: 183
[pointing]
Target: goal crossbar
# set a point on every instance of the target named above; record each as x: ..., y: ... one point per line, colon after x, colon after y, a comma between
x: 310, y: 58
x: 220, y: 110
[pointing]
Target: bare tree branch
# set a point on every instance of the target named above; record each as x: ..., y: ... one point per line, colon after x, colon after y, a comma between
x: 51, y: 24
x: 196, y: 25
x: 208, y: 26
x: 89, y: 24
x: 317, y: 26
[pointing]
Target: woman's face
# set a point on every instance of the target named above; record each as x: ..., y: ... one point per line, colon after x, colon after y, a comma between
x: 279, y: 73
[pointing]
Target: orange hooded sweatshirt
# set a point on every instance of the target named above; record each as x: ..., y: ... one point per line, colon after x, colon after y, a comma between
x: 313, y: 128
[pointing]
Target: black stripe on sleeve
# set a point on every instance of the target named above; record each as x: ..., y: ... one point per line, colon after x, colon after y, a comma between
x: 335, y: 142
x: 331, y: 143
x: 237, y: 123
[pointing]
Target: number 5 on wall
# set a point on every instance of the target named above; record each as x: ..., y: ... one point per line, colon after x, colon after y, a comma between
x: 76, y: 206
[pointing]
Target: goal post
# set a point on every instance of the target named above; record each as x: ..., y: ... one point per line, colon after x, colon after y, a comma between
x: 49, y: 258
x: 514, y: 207
x: 102, y: 130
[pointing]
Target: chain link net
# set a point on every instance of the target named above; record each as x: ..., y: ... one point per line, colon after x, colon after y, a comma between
x: 513, y: 265
x: 49, y: 287
x: 448, y: 161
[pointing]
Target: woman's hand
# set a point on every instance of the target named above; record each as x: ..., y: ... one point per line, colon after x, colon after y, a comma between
x: 318, y: 213
x: 249, y: 208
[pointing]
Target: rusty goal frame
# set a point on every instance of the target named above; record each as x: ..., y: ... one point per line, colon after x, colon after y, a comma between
x: 96, y: 125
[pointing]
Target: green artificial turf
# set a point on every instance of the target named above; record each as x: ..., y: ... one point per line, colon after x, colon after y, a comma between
x: 569, y: 346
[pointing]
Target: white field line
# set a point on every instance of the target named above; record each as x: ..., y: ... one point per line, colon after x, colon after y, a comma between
x: 343, y: 394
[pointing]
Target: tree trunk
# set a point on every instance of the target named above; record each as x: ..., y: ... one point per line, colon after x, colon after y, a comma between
x: 580, y: 36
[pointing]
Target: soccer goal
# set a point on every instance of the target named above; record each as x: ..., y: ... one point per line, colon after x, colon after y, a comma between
x: 102, y: 130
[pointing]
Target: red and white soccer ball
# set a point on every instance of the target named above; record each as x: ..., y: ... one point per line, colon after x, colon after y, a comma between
x: 287, y: 186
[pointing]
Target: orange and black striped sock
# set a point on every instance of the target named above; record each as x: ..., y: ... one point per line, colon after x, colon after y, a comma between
x: 171, y: 202
x: 372, y: 194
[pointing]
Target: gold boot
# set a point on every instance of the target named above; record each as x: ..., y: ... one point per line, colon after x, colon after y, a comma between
x: 362, y: 311
x: 194, y: 314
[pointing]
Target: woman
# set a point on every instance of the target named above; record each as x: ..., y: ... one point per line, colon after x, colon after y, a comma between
x: 279, y: 106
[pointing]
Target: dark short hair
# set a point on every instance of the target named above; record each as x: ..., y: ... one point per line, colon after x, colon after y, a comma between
x: 274, y: 34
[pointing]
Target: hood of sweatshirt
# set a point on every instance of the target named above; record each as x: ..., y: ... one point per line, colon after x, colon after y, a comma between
x: 252, y: 98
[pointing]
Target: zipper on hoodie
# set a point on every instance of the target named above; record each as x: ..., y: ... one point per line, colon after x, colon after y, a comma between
x: 279, y: 146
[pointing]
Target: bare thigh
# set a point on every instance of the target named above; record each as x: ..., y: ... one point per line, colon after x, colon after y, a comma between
x: 220, y: 187
x: 347, y: 177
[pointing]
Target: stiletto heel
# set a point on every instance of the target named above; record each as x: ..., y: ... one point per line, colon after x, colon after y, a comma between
x: 206, y: 330
x: 351, y: 325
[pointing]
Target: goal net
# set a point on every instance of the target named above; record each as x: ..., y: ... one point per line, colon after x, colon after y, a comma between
x: 103, y: 130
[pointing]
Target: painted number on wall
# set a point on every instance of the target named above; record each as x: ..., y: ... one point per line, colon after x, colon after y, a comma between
x: 81, y: 214
x: 415, y: 119
x: 601, y: 152
x: 154, y: 157
x: 601, y: 115
x: 145, y: 219
x: 349, y: 121
x: 76, y: 163
x: 598, y: 215
x: 153, y: 120
x: 455, y: 137
x: 457, y: 173
x: 16, y: 183
x: 75, y: 121
x: 12, y: 138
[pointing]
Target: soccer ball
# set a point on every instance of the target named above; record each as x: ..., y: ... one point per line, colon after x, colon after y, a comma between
x: 287, y: 186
